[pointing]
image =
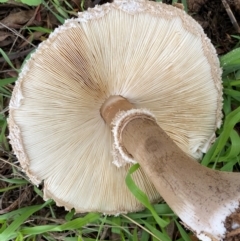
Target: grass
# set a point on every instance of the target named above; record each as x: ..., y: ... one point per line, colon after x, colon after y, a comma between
x: 32, y: 219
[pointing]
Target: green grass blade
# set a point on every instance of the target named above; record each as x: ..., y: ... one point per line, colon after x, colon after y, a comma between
x: 161, y: 236
x: 3, y: 138
x: 5, y: 92
x: 233, y: 93
x: 228, y: 167
x: 145, y: 236
x: 38, y: 229
x: 32, y: 2
x: 3, y: 226
x: 161, y: 209
x: 7, y: 60
x: 10, y: 231
x: 230, y: 62
x: 230, y: 121
x: 6, y: 189
x: 101, y: 226
x: 38, y: 191
x: 231, y: 58
x: 79, y: 222
x: 6, y: 81
x: 116, y: 228
x: 14, y: 181
x: 233, y: 150
x: 61, y: 11
x: 40, y: 29
x: 184, y: 2
x: 58, y: 17
x: 71, y: 225
x: 87, y: 239
x: 141, y: 196
x: 227, y: 105
x: 183, y: 233
x: 123, y: 227
x: 69, y: 215
x: 135, y: 236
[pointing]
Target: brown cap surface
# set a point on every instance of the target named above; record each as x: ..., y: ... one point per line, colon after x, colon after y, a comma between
x: 154, y: 55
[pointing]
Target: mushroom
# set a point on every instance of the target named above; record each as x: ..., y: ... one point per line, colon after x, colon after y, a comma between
x: 207, y: 201
x: 134, y: 66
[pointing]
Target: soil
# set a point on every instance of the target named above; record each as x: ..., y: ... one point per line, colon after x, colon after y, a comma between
x: 217, y: 25
x: 232, y: 225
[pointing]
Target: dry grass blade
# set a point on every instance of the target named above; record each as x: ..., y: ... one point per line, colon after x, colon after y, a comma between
x: 17, y: 34
x: 12, y: 56
x: 15, y: 204
x: 231, y: 16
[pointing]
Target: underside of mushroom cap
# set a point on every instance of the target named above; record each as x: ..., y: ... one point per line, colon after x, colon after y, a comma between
x: 154, y: 55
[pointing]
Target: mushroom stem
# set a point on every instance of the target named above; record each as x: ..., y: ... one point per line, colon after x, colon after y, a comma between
x: 112, y: 106
x: 206, y: 200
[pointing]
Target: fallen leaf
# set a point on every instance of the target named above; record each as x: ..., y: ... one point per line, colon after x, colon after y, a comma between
x: 4, y: 35
x: 18, y: 19
x: 5, y: 38
x: 5, y: 42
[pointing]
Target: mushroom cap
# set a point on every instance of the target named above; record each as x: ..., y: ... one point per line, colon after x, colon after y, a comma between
x: 154, y: 55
